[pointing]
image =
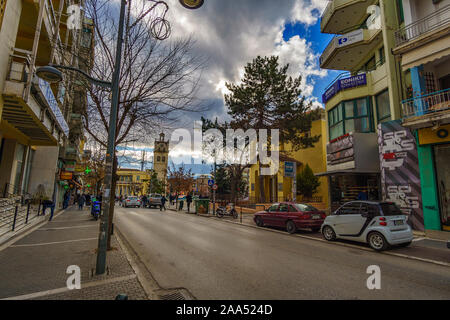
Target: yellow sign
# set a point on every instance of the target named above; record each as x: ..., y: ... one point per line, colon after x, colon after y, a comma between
x: 432, y: 136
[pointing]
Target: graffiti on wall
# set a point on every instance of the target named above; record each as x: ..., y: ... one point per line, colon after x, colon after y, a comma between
x: 400, y: 176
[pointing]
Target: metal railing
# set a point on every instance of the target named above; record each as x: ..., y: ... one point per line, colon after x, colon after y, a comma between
x: 432, y: 102
x: 429, y: 23
x: 15, y: 216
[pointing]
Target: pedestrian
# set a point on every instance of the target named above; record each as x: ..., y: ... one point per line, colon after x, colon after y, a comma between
x: 189, y: 201
x: 48, y: 204
x: 66, y: 200
x: 181, y: 204
x: 88, y: 199
x: 163, y: 203
x: 144, y: 201
x: 81, y: 201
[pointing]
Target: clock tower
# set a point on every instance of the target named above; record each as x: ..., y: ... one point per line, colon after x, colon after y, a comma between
x: 161, y: 158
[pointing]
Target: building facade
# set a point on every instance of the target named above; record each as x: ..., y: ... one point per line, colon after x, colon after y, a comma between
x: 132, y: 182
x: 423, y: 47
x: 362, y: 99
x: 37, y: 132
x: 281, y: 187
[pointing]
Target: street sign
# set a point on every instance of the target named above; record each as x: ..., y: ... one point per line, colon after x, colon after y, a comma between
x: 289, y: 169
x: 210, y: 183
x: 215, y: 187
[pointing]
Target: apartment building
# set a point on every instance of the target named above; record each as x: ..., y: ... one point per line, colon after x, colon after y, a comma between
x: 422, y: 44
x: 370, y: 155
x: 40, y: 131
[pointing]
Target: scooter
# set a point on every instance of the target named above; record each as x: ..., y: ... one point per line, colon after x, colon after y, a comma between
x: 96, y: 209
x: 223, y: 211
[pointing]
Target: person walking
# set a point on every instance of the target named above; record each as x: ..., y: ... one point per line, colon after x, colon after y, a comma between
x: 48, y: 204
x: 163, y: 203
x: 81, y: 201
x: 66, y: 200
x: 189, y: 201
x: 144, y: 201
x: 181, y: 200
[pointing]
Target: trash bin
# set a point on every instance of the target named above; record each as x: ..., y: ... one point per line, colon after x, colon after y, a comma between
x: 202, y: 206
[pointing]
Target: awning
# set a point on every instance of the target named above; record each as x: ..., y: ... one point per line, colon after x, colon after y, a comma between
x: 427, y: 53
x: 350, y: 171
x: 76, y: 183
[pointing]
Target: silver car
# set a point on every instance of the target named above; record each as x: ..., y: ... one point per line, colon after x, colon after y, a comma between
x: 380, y: 224
x: 131, y: 201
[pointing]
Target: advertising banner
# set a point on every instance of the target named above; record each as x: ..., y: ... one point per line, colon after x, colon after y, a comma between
x: 400, y: 177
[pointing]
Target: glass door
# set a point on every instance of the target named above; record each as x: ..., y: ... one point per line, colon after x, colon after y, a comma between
x: 442, y: 156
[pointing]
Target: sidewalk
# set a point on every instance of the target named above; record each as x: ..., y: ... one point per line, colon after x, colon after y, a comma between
x: 34, y: 267
x: 422, y: 248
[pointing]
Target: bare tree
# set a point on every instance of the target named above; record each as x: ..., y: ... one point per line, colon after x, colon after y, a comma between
x: 158, y: 79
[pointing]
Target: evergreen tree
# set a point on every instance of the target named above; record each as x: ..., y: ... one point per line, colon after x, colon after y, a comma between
x: 307, y: 182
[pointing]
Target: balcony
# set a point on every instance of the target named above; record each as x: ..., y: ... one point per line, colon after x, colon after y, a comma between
x: 346, y: 52
x: 427, y: 110
x: 342, y: 15
x: 433, y: 23
x: 30, y: 106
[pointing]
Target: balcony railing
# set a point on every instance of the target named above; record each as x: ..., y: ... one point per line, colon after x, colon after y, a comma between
x: 431, y: 22
x: 429, y: 103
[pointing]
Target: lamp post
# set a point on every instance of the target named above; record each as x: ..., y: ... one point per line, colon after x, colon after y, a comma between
x: 51, y: 73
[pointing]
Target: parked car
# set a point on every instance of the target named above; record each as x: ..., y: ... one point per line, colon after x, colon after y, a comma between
x: 154, y: 200
x: 291, y: 216
x: 380, y: 224
x: 131, y: 201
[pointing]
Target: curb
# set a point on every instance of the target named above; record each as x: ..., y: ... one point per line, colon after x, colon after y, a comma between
x: 440, y: 263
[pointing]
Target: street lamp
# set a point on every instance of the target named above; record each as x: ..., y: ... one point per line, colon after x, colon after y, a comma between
x: 51, y: 74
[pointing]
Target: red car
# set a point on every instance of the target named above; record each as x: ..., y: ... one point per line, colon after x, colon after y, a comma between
x: 291, y: 216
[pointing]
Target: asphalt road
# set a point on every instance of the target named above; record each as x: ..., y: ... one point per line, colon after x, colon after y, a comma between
x: 218, y: 260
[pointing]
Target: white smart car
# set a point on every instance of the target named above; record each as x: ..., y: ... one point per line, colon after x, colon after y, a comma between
x: 380, y: 224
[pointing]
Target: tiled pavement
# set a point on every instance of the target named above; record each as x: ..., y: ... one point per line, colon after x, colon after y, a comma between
x: 421, y: 248
x: 37, y: 263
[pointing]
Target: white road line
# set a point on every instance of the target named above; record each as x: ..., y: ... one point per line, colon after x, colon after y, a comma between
x: 65, y: 289
x: 419, y: 239
x: 74, y: 227
x: 48, y: 243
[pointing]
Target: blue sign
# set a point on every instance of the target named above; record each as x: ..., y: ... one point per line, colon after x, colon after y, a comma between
x: 342, y: 84
x: 288, y: 169
x: 53, y: 104
x: 210, y: 183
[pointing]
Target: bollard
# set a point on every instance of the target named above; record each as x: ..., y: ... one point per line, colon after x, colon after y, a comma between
x: 241, y: 214
x: 28, y: 212
x: 15, y: 218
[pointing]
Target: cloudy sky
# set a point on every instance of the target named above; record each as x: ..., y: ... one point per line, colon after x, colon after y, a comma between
x: 230, y: 33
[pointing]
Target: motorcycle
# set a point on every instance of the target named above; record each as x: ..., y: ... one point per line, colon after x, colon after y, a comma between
x: 223, y: 211
x: 96, y: 209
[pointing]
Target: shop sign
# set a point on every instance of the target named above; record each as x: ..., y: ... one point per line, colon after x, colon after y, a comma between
x: 341, y: 150
x: 400, y: 175
x: 70, y: 167
x: 433, y: 136
x: 350, y: 38
x: 343, y: 84
x: 79, y: 168
x: 66, y: 175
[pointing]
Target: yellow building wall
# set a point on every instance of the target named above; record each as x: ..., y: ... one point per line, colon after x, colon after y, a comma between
x: 315, y: 157
x: 143, y: 175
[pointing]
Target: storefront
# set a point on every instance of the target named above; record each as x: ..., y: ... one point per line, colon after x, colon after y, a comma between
x: 434, y: 155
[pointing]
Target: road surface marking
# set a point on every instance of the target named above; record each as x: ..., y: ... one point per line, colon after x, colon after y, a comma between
x: 48, y: 243
x: 419, y: 239
x: 65, y: 289
x: 74, y: 227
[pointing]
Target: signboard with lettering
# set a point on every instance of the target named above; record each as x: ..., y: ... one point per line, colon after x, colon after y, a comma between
x: 288, y: 169
x: 349, y: 38
x: 65, y: 175
x: 343, y: 84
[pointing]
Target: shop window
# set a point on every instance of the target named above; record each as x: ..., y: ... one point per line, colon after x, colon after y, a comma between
x: 383, y: 106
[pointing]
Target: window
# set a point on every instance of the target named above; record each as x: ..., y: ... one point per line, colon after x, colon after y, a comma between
x: 350, y: 208
x: 159, y: 159
x: 305, y: 207
x: 350, y: 116
x: 370, y: 209
x: 390, y: 209
x: 273, y: 208
x: 163, y: 159
x: 2, y: 11
x: 383, y: 107
x: 292, y: 209
x: 382, y: 56
x: 283, y: 208
x: 371, y: 64
x: 138, y: 178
